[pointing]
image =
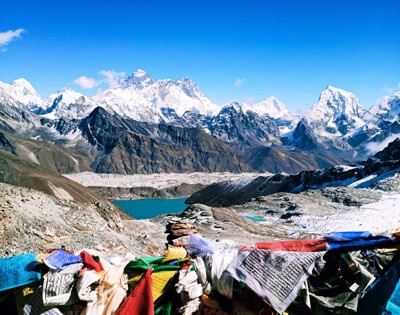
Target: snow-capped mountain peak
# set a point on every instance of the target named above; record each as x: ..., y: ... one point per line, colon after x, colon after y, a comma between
x: 387, y: 108
x: 22, y: 83
x: 67, y: 95
x: 340, y: 102
x: 189, y: 87
x: 140, y: 98
x: 22, y: 91
x: 336, y: 113
x: 139, y: 79
x: 271, y: 106
x: 69, y: 104
x: 232, y: 106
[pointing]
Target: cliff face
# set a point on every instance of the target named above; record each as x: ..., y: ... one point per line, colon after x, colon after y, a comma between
x: 128, y: 147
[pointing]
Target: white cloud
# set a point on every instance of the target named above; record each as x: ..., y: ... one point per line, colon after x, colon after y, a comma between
x: 391, y: 90
x: 7, y: 37
x: 239, y: 82
x: 375, y: 147
x: 388, y: 89
x: 109, y: 77
x: 112, y: 77
x: 249, y: 99
x: 86, y: 83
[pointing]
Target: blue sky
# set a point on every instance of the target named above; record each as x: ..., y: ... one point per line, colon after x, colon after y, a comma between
x: 290, y: 49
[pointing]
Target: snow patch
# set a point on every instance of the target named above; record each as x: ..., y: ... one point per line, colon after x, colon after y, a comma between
x: 358, y: 183
x: 59, y: 192
x: 375, y: 217
x: 24, y: 151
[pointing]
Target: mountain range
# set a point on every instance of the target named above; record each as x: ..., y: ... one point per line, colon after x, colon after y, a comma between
x: 146, y: 126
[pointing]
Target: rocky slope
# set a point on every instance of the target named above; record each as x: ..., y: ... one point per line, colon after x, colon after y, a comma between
x: 25, y: 173
x: 385, y: 164
x: 307, y: 214
x: 32, y: 221
x: 288, y: 160
x: 52, y: 157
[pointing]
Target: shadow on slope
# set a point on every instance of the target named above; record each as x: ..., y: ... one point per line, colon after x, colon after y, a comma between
x: 21, y: 172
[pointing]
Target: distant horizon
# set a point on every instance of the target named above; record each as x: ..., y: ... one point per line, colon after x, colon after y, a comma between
x: 234, y: 51
x: 298, y: 111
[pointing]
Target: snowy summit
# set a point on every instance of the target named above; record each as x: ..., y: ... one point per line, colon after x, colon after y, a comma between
x: 271, y: 106
x: 336, y: 112
x: 140, y: 98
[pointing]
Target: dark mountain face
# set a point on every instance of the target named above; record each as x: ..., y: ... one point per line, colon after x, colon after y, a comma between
x: 234, y: 126
x: 193, y: 120
x: 287, y: 160
x: 390, y: 153
x: 303, y: 136
x: 101, y: 129
x: 62, y: 126
x: 6, y: 145
x: 127, y: 147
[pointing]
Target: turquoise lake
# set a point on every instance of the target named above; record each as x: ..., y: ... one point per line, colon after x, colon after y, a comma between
x: 150, y: 208
x: 254, y: 218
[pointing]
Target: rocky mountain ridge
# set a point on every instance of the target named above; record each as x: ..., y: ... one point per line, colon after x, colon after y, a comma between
x: 384, y: 164
x: 337, y: 130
